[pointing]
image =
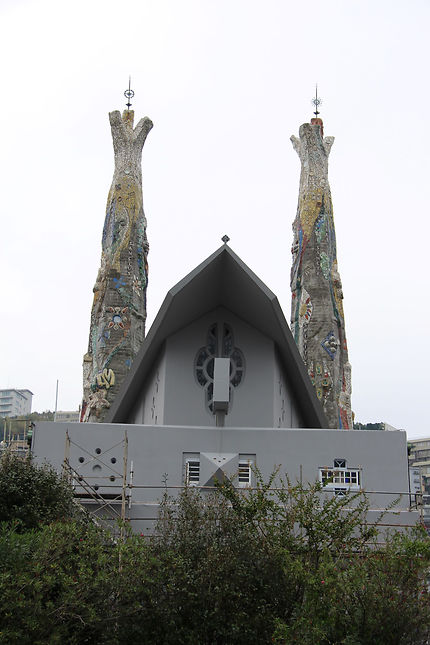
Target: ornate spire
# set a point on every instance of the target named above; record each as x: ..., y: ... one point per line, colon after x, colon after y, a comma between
x: 317, y: 319
x: 129, y: 94
x: 316, y: 101
x: 118, y: 314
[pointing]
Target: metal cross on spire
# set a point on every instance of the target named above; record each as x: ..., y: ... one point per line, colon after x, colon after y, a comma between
x: 129, y: 94
x: 316, y: 101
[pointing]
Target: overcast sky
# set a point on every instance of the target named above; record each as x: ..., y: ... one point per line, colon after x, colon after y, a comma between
x: 226, y: 82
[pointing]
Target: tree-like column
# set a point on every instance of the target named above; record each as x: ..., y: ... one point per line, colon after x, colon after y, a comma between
x: 118, y: 313
x: 317, y: 318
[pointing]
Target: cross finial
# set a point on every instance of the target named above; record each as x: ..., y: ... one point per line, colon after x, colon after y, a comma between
x: 316, y: 101
x: 225, y: 239
x: 129, y: 94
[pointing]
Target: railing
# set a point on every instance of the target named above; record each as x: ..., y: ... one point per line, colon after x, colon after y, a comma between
x: 113, y: 501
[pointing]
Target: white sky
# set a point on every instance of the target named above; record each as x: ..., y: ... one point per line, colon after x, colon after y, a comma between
x: 226, y: 83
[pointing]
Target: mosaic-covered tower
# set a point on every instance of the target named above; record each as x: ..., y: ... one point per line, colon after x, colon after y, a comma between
x: 118, y: 314
x: 317, y: 319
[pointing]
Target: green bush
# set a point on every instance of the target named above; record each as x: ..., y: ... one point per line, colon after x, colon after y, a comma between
x: 31, y: 494
x: 285, y: 565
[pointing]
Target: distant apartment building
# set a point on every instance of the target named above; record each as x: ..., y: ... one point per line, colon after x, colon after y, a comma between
x: 419, y: 458
x: 15, y: 403
x: 419, y: 468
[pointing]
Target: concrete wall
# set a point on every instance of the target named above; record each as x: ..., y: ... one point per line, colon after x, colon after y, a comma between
x: 158, y: 452
x: 285, y: 412
x: 150, y: 406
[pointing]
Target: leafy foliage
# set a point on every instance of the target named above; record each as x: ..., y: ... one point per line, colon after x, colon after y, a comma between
x: 18, y: 425
x: 369, y: 426
x: 287, y: 565
x: 290, y: 565
x: 32, y: 494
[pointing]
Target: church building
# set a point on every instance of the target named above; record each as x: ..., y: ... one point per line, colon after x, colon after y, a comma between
x: 219, y: 386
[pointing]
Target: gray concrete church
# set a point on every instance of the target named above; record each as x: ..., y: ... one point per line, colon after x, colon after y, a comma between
x: 219, y: 385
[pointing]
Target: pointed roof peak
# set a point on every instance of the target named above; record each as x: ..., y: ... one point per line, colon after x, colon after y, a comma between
x: 223, y: 279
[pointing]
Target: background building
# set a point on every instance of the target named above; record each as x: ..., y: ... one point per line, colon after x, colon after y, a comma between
x: 71, y: 416
x: 419, y: 464
x: 14, y: 403
x: 419, y: 458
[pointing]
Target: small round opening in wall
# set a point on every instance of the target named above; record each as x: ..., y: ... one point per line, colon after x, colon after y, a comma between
x: 81, y: 460
x: 96, y: 487
x: 112, y: 478
x: 98, y: 451
x: 113, y: 460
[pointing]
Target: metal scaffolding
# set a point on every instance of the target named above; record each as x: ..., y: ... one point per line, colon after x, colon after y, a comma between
x: 100, y: 504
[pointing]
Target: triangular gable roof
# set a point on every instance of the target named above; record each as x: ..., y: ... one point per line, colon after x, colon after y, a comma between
x: 221, y: 280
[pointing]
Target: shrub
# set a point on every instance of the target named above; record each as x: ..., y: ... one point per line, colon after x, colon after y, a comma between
x: 31, y: 494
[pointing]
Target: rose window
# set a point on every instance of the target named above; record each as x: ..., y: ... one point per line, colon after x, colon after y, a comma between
x: 220, y: 344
